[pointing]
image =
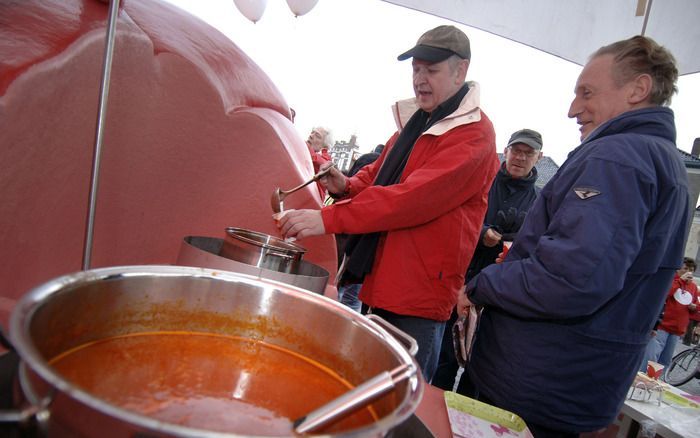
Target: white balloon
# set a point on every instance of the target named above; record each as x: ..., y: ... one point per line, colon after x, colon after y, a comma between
x: 251, y: 9
x: 301, y: 7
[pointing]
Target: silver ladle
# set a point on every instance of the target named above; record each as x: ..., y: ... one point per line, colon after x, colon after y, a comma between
x: 353, y: 400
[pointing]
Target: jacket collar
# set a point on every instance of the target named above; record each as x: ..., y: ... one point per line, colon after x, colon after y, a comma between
x: 516, y: 183
x: 468, y: 112
x: 657, y: 121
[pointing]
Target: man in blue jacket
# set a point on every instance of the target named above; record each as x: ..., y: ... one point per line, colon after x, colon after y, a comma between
x: 511, y: 195
x: 568, y: 313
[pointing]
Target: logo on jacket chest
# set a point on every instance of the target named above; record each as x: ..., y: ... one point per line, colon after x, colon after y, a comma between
x: 586, y: 192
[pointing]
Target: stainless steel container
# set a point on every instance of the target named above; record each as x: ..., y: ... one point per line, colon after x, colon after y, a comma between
x: 261, y: 250
x: 204, y: 252
x: 91, y: 305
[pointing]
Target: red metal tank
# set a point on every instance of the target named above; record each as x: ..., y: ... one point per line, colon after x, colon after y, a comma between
x: 197, y: 138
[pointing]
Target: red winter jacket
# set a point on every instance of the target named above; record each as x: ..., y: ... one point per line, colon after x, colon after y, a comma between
x: 696, y: 315
x: 677, y: 315
x: 318, y: 158
x: 430, y: 220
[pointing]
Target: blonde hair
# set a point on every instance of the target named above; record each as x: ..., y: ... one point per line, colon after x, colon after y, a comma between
x: 642, y: 55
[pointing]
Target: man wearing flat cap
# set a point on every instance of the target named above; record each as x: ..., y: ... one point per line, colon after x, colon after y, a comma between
x: 416, y: 212
x: 511, y: 195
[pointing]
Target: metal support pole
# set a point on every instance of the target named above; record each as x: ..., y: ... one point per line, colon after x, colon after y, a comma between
x: 99, y: 132
x: 646, y: 18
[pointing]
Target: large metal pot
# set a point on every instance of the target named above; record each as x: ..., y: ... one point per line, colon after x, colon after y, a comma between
x: 95, y: 305
x: 205, y: 252
x: 261, y: 250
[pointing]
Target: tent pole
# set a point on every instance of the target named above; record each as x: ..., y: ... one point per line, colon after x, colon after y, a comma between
x: 646, y: 17
x: 99, y: 132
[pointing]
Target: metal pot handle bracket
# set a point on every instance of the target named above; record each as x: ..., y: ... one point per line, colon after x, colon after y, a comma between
x: 4, y: 341
x: 272, y: 252
x: 403, y: 337
x: 37, y: 412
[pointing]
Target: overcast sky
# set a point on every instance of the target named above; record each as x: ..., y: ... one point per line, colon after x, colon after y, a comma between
x: 337, y: 67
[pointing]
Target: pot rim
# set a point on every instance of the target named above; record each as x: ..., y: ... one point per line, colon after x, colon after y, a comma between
x: 266, y: 241
x: 32, y: 301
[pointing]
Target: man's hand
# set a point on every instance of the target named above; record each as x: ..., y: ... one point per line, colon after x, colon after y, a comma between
x: 300, y: 223
x: 688, y: 276
x: 333, y: 181
x: 463, y: 303
x: 491, y: 237
x: 502, y: 255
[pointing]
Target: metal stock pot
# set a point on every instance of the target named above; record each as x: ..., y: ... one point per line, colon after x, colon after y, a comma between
x: 261, y: 250
x: 88, y: 307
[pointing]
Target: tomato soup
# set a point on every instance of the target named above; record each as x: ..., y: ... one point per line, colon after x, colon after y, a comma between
x: 207, y: 381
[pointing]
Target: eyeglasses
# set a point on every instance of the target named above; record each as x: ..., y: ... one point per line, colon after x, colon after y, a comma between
x: 529, y: 153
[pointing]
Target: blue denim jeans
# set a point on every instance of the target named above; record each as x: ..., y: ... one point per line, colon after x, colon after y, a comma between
x: 348, y: 296
x: 427, y: 333
x: 660, y: 349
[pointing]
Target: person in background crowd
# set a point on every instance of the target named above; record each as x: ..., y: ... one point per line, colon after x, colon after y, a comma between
x: 365, y: 159
x: 680, y: 304
x: 347, y: 292
x: 319, y: 141
x: 691, y: 335
x: 567, y: 314
x: 512, y: 193
x: 415, y: 213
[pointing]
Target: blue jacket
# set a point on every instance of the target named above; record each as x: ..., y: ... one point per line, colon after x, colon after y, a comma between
x: 569, y: 312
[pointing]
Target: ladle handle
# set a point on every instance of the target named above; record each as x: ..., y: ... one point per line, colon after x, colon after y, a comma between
x: 313, y: 179
x: 354, y: 399
x: 301, y: 186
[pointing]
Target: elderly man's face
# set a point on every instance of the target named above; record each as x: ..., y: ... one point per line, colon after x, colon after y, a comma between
x: 520, y: 159
x: 435, y: 83
x: 598, y: 99
x: 315, y: 140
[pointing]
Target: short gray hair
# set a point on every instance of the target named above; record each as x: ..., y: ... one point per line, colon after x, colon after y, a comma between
x: 328, y: 137
x: 454, y: 60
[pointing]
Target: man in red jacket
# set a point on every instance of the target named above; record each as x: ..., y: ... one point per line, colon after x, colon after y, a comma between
x: 680, y: 303
x: 416, y: 212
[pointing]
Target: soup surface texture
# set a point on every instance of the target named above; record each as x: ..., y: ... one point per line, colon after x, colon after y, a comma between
x: 206, y: 381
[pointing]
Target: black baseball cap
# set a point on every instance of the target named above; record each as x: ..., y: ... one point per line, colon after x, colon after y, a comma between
x: 528, y: 137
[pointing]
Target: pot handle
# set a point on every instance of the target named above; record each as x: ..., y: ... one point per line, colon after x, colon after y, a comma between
x: 272, y: 252
x: 408, y: 341
x: 4, y: 341
x: 37, y: 414
x: 33, y: 417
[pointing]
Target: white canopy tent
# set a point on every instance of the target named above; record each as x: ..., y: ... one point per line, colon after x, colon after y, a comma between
x: 573, y: 29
